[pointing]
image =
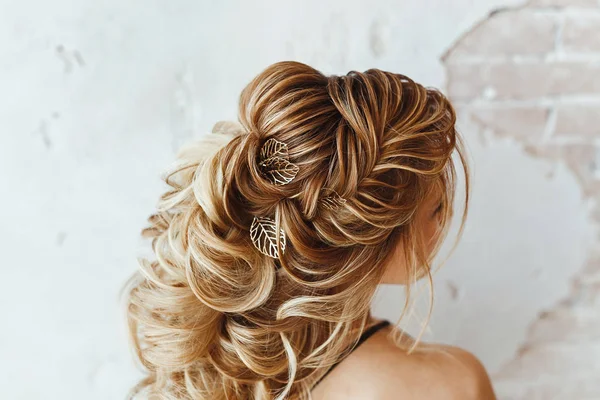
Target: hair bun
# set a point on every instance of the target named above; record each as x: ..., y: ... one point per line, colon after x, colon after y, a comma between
x: 330, y: 170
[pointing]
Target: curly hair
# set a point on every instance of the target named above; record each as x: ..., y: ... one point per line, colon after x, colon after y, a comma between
x: 210, y: 316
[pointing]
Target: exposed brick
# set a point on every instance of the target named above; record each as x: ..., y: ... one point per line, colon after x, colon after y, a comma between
x: 552, y: 362
x: 564, y: 3
x: 582, y: 34
x: 595, y: 214
x: 525, y: 123
x: 591, y: 272
x: 562, y: 388
x: 522, y: 81
x: 578, y: 121
x: 566, y: 326
x: 512, y: 96
x: 508, y: 33
x: 582, y: 159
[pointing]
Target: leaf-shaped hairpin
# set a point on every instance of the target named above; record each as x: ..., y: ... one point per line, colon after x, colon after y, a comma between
x: 263, y: 233
x: 333, y: 201
x: 275, y: 164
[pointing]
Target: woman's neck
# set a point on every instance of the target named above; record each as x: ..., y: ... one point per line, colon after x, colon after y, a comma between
x: 368, y: 320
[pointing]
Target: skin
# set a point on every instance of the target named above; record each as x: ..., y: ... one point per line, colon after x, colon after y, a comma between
x: 428, y: 218
x: 379, y: 370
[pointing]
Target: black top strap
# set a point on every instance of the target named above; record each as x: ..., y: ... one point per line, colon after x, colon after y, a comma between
x: 365, y: 335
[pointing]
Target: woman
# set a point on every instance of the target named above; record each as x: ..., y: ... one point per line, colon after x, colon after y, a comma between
x: 274, y: 234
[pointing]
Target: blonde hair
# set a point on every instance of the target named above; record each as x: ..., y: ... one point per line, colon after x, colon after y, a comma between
x: 211, y: 317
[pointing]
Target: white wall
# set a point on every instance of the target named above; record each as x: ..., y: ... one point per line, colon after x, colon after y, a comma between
x: 97, y: 95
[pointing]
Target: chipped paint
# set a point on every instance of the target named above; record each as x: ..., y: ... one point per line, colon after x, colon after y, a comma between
x: 545, y: 362
x: 131, y: 86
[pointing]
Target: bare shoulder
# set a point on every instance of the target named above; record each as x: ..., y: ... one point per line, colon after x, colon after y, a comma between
x: 430, y: 372
x: 380, y: 370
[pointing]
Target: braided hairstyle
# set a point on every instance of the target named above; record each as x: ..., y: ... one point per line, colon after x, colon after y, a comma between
x: 211, y: 317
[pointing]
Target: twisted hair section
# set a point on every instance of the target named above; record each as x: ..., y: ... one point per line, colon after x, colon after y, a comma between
x: 210, y: 316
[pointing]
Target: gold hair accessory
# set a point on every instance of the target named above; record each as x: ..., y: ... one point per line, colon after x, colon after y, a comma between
x: 275, y: 164
x: 264, y: 236
x: 333, y: 201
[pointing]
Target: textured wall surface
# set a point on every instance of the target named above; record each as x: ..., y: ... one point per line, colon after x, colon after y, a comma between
x: 533, y: 74
x: 97, y: 96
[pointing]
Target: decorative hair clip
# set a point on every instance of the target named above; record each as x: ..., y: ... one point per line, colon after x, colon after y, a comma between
x: 263, y: 233
x: 275, y: 163
x: 333, y: 201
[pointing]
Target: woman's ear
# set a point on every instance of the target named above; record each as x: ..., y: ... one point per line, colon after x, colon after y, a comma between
x: 396, y: 271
